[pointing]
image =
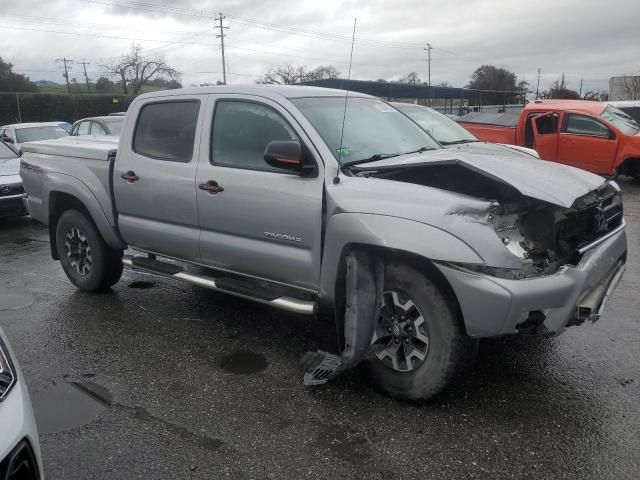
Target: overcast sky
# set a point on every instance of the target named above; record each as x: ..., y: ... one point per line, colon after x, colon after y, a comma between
x: 587, y: 39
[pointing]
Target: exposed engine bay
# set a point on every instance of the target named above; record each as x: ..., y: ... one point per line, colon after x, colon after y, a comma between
x: 543, y: 235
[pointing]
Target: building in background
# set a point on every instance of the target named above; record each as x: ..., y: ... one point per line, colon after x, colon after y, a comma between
x: 625, y: 87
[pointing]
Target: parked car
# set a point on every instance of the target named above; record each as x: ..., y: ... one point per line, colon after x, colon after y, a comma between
x: 451, y: 135
x: 584, y: 134
x: 67, y: 126
x: 630, y: 107
x: 19, y: 133
x: 109, y: 125
x: 417, y: 250
x: 11, y: 191
x: 19, y: 445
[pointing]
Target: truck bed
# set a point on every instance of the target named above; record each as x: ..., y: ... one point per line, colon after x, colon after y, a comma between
x: 492, y: 127
x: 69, y: 164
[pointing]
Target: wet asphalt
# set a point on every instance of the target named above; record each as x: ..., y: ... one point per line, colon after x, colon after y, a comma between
x: 158, y: 379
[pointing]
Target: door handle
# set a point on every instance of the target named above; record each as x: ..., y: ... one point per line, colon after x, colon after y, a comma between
x: 130, y: 176
x: 211, y: 187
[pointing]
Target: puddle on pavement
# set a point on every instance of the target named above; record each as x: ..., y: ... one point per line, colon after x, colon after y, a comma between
x: 66, y: 405
x: 14, y: 301
x: 243, y: 362
x: 142, y: 285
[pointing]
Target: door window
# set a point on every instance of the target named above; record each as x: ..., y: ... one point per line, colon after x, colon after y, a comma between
x: 96, y: 129
x: 167, y: 130
x: 241, y: 132
x: 82, y: 128
x: 547, y: 124
x: 583, y: 125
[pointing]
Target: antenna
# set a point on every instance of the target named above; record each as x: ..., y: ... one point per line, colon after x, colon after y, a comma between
x: 346, y: 96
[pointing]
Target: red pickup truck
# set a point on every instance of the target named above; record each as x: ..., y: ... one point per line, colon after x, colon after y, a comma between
x: 589, y: 135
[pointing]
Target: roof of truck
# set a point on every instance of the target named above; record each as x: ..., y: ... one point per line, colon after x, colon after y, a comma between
x: 587, y: 106
x: 273, y: 91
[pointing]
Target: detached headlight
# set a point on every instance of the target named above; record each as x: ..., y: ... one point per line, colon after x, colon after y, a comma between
x: 7, y: 372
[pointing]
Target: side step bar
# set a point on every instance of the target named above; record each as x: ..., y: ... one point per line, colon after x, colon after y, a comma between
x: 144, y: 264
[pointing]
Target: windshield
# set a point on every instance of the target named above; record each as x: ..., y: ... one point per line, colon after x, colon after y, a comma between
x: 441, y: 127
x: 620, y: 120
x: 371, y: 127
x: 32, y: 134
x: 6, y: 151
x: 114, y: 124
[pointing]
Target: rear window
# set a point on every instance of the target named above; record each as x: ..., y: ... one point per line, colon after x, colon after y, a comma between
x: 167, y: 130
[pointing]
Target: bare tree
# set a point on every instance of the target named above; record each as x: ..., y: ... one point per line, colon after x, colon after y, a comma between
x: 135, y: 70
x: 284, y: 74
x: 412, y: 78
x: 322, y: 72
x: 631, y: 86
x: 596, y: 95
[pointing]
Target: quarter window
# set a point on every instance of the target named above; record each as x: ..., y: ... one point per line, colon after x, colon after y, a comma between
x: 167, y: 130
x: 96, y: 129
x: 242, y: 131
x: 583, y: 125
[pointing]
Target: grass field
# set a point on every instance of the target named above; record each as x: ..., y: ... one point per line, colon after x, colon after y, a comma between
x: 82, y: 88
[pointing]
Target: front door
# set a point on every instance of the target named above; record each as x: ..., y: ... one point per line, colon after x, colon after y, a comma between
x: 154, y: 177
x: 587, y: 143
x: 257, y: 219
x: 545, y: 135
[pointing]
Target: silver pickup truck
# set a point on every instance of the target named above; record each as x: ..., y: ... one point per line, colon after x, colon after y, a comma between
x: 303, y: 199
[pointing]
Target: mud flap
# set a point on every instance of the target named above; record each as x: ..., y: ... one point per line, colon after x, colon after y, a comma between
x: 364, y: 284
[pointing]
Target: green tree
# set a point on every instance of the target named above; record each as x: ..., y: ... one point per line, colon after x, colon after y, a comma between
x: 559, y: 89
x: 104, y: 85
x: 490, y: 77
x: 14, y: 82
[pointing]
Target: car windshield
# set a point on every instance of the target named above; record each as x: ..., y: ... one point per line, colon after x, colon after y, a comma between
x: 372, y: 128
x: 31, y: 134
x: 114, y: 124
x: 439, y: 126
x: 620, y: 120
x: 6, y: 151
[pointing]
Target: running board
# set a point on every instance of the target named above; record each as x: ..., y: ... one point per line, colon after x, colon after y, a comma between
x: 223, y: 285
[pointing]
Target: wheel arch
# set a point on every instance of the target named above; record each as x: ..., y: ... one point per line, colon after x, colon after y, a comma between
x: 630, y: 166
x: 61, y: 200
x: 424, y: 265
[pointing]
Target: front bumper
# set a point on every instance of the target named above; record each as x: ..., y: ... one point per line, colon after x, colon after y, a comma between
x: 13, y: 206
x: 494, y: 306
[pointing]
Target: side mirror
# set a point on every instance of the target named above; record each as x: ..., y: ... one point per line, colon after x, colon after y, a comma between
x: 6, y: 138
x: 287, y: 156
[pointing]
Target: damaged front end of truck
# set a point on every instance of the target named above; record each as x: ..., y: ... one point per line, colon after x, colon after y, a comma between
x: 553, y: 248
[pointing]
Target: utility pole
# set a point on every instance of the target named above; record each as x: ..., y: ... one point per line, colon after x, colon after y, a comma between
x: 581, y: 80
x: 538, y: 85
x: 66, y: 63
x: 428, y: 48
x: 84, y: 64
x: 221, y: 36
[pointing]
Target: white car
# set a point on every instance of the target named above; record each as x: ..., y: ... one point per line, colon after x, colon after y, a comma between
x: 453, y: 136
x: 18, y: 133
x: 630, y: 107
x: 19, y: 446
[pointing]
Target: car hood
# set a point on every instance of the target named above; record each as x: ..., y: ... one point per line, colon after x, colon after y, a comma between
x: 550, y: 182
x: 9, y: 166
x: 486, y: 148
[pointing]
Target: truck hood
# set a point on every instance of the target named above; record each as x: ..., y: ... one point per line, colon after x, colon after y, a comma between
x: 487, y: 148
x: 9, y: 166
x: 488, y: 175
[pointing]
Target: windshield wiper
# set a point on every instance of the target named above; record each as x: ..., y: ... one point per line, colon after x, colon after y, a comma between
x: 420, y: 150
x: 458, y: 142
x: 372, y: 158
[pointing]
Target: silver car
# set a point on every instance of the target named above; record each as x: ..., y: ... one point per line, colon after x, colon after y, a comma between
x: 18, y: 133
x: 11, y: 190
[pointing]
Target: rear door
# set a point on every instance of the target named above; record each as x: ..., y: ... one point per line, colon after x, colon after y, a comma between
x: 545, y: 134
x: 262, y: 221
x: 587, y: 143
x: 154, y: 177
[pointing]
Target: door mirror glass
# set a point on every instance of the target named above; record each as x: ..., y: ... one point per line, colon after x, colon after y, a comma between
x: 286, y: 155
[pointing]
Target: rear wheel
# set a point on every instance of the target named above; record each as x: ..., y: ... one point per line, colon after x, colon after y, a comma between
x: 88, y: 261
x: 419, y: 342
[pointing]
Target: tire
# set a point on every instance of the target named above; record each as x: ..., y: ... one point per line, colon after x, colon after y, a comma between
x: 445, y: 352
x: 88, y: 261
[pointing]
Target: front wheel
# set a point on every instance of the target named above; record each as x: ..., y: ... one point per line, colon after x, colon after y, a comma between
x: 419, y: 343
x: 88, y: 261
